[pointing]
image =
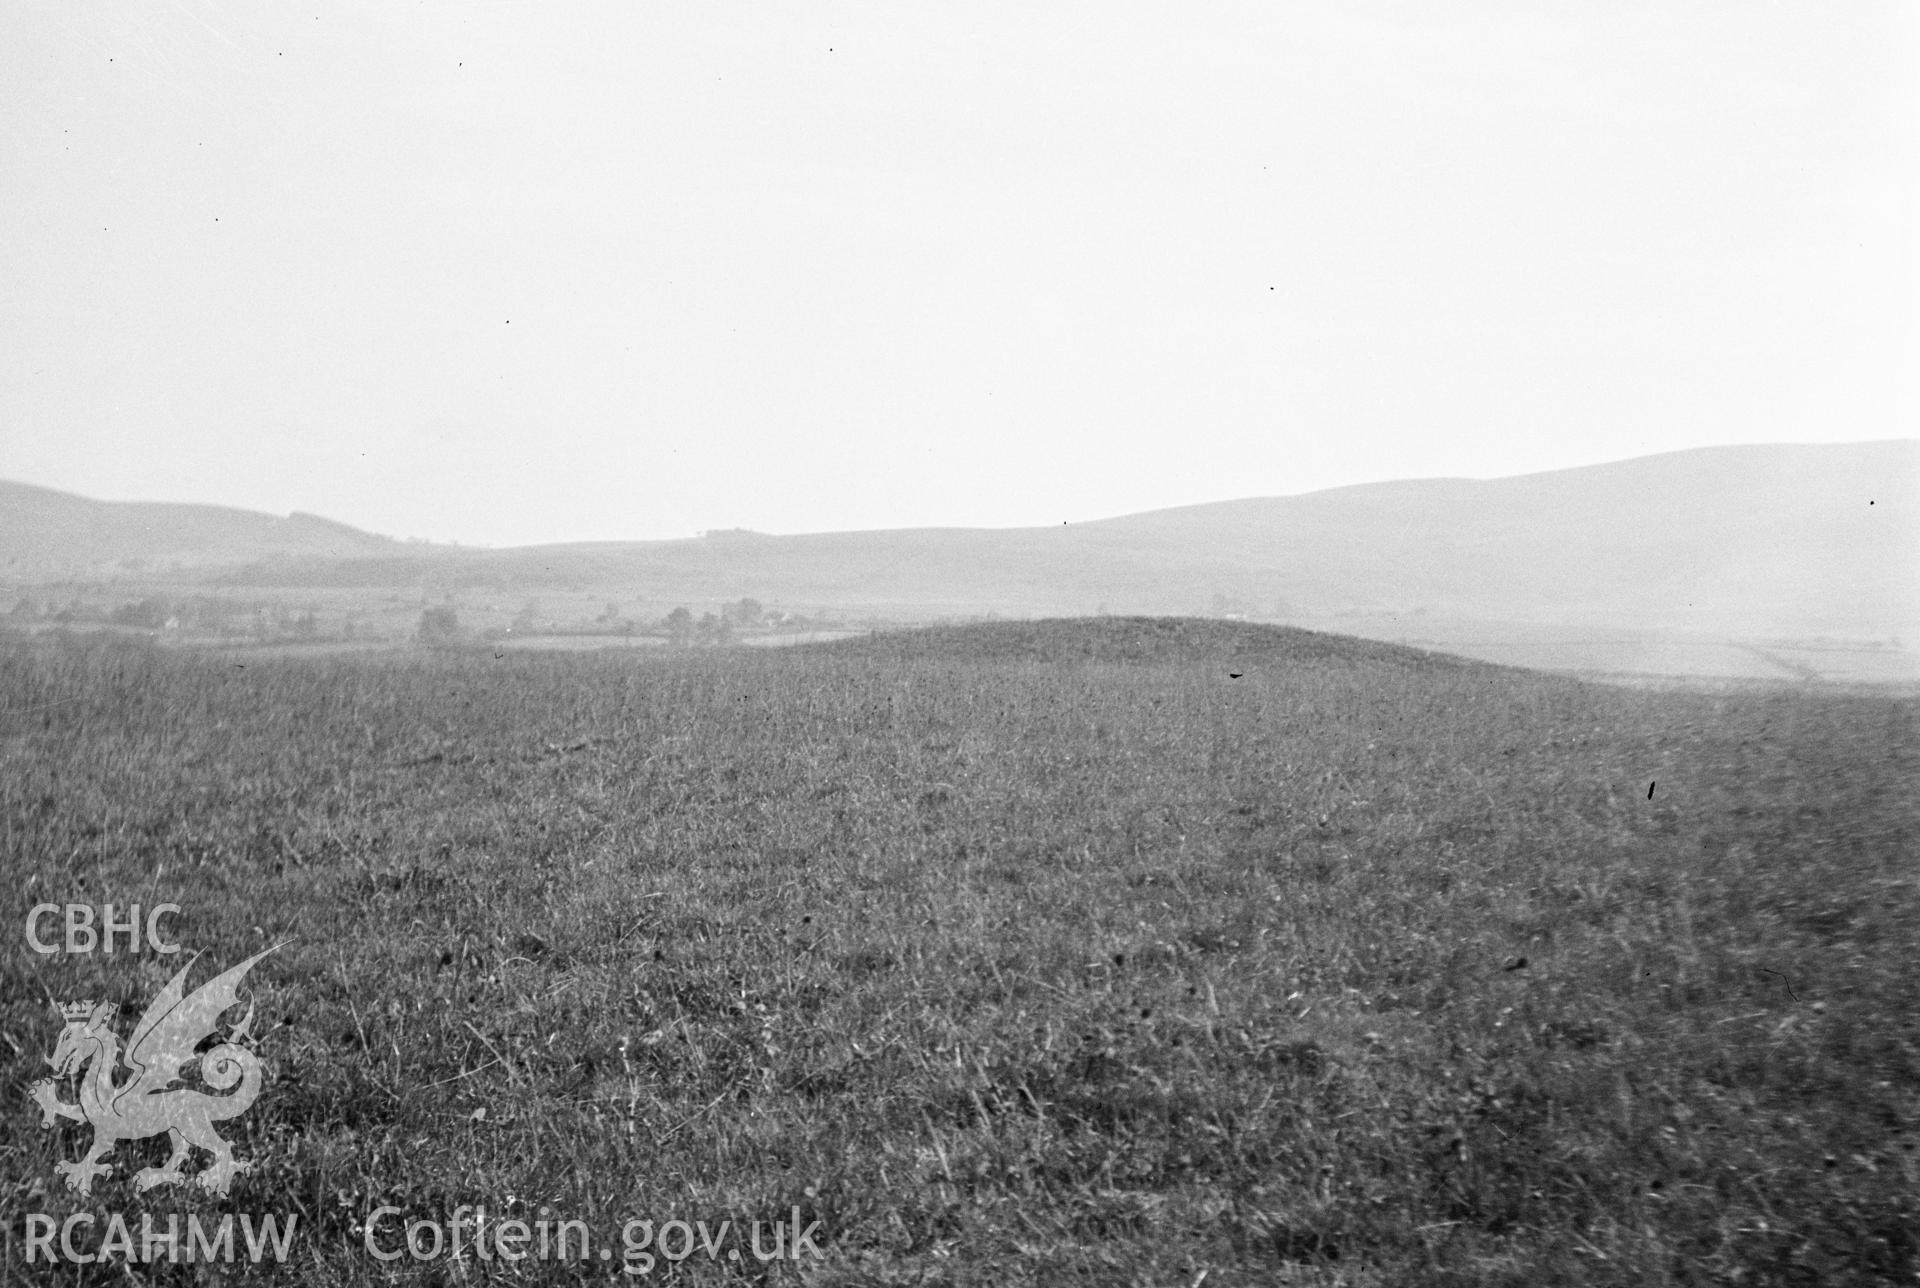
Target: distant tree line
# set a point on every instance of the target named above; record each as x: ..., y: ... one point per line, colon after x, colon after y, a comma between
x: 681, y: 628
x: 684, y: 630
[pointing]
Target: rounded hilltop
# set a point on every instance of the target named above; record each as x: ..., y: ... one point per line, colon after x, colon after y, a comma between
x: 1134, y: 640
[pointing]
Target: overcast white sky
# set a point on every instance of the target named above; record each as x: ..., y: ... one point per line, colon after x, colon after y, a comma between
x: 507, y: 273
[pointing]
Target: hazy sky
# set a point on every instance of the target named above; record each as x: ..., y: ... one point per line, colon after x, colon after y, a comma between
x: 521, y: 272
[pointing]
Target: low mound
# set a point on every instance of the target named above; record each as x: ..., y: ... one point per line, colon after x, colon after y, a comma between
x: 1133, y: 640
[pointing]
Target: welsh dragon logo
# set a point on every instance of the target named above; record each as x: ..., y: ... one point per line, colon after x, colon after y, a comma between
x: 151, y: 1101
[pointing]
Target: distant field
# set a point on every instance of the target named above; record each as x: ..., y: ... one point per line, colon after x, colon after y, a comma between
x: 576, y: 643
x: 1118, y: 951
x: 787, y: 640
x: 1622, y: 652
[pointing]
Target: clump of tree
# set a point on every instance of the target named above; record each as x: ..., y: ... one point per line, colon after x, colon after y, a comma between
x: 612, y: 622
x: 684, y: 630
x: 746, y: 613
x: 211, y: 615
x: 151, y: 612
x: 439, y: 626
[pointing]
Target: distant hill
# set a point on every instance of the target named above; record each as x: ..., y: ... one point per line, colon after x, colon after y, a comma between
x: 1753, y: 541
x: 1755, y: 538
x: 49, y: 536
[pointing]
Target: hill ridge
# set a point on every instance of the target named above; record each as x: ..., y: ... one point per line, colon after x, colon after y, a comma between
x: 1753, y: 540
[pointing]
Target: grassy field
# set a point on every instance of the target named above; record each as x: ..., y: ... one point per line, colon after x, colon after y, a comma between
x: 1119, y: 952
